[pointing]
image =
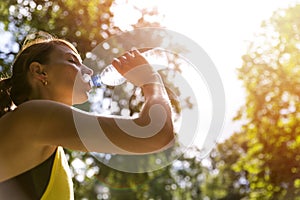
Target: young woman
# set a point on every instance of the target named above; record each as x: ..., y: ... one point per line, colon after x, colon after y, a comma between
x: 37, y: 119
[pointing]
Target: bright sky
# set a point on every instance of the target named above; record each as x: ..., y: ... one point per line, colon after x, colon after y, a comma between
x: 222, y: 29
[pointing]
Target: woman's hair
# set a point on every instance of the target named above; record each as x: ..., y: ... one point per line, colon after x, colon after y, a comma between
x: 36, y: 48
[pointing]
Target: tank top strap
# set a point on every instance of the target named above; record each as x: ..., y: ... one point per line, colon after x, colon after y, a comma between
x: 60, y: 185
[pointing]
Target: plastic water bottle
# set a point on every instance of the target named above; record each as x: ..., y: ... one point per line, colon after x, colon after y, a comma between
x: 110, y: 76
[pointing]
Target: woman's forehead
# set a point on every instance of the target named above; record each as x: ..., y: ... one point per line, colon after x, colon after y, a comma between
x: 63, y: 50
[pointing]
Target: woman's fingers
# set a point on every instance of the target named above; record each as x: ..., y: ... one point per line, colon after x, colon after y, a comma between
x: 129, y: 55
x: 123, y: 59
x: 116, y: 63
x: 135, y: 51
x: 128, y: 61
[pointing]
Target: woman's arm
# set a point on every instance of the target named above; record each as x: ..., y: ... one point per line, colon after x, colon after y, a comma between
x: 46, y: 123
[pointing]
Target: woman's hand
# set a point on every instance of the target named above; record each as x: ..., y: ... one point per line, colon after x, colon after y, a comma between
x: 128, y: 61
x: 135, y: 68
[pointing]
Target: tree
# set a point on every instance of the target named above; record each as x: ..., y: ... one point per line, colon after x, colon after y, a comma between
x: 221, y: 182
x: 270, y: 73
x: 84, y: 21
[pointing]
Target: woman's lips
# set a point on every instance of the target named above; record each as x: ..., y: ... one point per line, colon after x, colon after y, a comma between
x: 87, y: 79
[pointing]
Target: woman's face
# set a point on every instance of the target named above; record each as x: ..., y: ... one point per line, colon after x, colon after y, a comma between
x: 65, y: 76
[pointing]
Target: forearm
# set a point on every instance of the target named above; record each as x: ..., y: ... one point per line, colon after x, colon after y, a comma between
x: 152, y: 131
x: 157, y: 112
x: 155, y: 94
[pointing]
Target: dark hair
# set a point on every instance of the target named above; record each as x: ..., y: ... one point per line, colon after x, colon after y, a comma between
x: 36, y: 48
x: 5, y: 100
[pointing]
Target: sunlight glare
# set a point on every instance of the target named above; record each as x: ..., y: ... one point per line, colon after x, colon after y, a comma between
x: 223, y: 29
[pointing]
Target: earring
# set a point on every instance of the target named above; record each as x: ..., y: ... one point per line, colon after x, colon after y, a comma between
x: 45, y: 82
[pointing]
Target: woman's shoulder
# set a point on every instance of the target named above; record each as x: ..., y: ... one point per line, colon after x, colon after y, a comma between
x: 40, y: 103
x: 30, y: 110
x: 33, y: 109
x: 41, y: 123
x: 18, y: 142
x: 26, y: 120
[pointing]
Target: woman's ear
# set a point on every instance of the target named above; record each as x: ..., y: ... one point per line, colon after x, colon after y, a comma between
x: 37, y: 71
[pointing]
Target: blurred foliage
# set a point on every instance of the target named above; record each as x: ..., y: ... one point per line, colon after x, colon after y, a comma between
x: 86, y: 21
x: 221, y: 182
x: 261, y: 161
x: 270, y: 73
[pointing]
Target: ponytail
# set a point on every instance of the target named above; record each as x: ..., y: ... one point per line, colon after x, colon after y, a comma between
x: 5, y: 100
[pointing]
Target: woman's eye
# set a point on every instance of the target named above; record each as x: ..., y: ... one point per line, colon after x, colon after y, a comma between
x: 72, y: 61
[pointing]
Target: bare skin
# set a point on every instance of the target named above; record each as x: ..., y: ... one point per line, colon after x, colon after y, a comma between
x: 32, y: 132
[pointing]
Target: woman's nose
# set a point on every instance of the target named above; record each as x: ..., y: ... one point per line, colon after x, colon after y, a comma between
x: 86, y: 70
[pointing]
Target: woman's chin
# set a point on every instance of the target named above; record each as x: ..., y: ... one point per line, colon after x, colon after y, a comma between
x: 80, y: 99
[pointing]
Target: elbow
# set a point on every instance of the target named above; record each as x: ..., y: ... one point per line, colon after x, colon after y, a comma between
x: 167, y: 137
x: 163, y: 140
x: 170, y: 135
x: 155, y: 129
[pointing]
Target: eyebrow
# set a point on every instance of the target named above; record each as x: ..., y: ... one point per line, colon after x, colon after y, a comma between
x: 74, y: 56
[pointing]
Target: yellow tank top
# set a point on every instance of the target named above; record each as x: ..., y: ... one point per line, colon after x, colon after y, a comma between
x: 60, y: 186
